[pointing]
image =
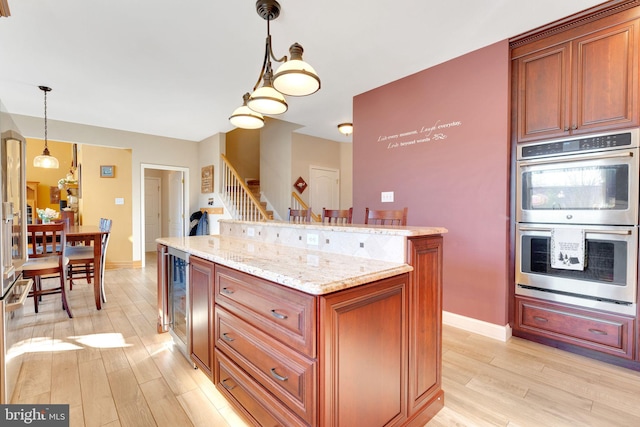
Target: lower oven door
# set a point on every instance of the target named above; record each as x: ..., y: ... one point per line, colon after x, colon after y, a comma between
x: 608, y: 280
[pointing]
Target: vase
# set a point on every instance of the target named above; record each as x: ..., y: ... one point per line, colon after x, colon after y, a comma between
x: 46, y: 220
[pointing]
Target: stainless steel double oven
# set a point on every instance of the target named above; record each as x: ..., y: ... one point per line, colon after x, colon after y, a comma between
x: 590, y: 184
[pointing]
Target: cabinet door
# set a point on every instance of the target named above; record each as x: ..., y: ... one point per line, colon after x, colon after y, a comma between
x: 543, y: 88
x: 605, y: 79
x: 425, y: 321
x: 201, y: 306
x: 363, y: 337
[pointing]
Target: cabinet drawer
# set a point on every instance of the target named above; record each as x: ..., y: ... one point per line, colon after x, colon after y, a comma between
x: 605, y: 332
x: 287, y: 374
x: 256, y: 404
x: 284, y: 313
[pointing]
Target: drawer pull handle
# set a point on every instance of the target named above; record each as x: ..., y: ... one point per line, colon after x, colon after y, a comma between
x: 224, y: 384
x: 227, y: 291
x: 597, y: 331
x: 540, y: 319
x: 278, y: 315
x: 226, y: 337
x: 276, y: 376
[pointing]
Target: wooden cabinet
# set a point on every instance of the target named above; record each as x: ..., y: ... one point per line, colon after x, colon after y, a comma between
x: 603, y: 332
x: 201, y: 276
x: 363, y: 335
x: 368, y: 355
x: 580, y: 81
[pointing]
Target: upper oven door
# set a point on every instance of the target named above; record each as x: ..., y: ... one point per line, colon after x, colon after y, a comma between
x: 589, y: 188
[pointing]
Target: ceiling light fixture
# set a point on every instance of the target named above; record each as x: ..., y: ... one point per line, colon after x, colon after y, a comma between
x: 294, y: 77
x: 345, y: 128
x: 245, y: 118
x: 45, y: 160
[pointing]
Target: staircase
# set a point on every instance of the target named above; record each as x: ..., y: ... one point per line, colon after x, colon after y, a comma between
x: 244, y: 200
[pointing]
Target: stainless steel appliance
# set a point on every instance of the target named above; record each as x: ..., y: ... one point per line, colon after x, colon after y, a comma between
x: 175, y: 295
x: 14, y: 290
x: 586, y: 180
x: 607, y: 282
x: 587, y: 184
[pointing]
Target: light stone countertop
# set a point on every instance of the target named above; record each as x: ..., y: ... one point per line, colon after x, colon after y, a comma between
x: 312, y: 272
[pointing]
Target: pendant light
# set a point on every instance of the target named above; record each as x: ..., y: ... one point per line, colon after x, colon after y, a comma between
x: 45, y: 160
x: 294, y: 77
x: 245, y: 118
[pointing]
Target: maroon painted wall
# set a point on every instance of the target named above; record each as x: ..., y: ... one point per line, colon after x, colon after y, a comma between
x: 439, y: 140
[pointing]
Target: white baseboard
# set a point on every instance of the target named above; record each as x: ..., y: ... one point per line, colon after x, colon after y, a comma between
x: 501, y: 333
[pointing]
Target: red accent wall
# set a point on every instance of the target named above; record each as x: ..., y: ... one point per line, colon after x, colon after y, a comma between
x: 439, y: 139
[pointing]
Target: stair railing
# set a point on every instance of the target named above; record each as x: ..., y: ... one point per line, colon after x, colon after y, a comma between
x: 298, y: 203
x: 244, y: 205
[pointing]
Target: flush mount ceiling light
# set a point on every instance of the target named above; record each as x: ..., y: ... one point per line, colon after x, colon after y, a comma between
x: 45, y: 160
x: 294, y: 77
x: 345, y: 128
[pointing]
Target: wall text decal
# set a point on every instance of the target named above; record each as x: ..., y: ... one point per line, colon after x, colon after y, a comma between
x: 436, y: 132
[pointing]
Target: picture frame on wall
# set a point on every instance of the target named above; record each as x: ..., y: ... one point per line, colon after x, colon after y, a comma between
x: 107, y: 171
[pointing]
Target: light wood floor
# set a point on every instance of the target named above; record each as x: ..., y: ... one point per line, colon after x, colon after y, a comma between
x: 113, y: 369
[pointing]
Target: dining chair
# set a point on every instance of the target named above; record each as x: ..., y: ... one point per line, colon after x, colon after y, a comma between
x: 47, y: 259
x: 299, y: 215
x: 385, y: 217
x: 81, y: 258
x: 337, y: 216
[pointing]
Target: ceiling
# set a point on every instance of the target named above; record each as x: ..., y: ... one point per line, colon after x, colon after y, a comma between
x: 179, y: 69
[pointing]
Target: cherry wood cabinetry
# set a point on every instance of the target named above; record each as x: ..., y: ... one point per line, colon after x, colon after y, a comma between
x: 604, y: 332
x: 367, y: 355
x: 582, y: 80
x: 201, y: 275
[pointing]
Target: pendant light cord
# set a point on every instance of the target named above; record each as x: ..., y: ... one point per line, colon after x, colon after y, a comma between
x: 45, y: 120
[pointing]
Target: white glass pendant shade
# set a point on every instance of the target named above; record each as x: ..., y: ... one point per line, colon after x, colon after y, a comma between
x: 245, y: 118
x: 46, y: 161
x: 267, y: 100
x: 295, y: 77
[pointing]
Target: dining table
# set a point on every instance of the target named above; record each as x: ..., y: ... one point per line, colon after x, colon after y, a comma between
x: 90, y: 234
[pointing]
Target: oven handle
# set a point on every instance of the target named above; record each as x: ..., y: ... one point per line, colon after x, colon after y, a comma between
x: 574, y: 158
x: 616, y: 232
x: 25, y: 293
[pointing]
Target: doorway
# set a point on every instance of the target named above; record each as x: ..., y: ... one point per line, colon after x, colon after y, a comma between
x: 166, y: 205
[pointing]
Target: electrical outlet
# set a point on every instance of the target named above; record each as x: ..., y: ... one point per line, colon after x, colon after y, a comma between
x: 251, y: 232
x: 312, y: 239
x: 386, y: 196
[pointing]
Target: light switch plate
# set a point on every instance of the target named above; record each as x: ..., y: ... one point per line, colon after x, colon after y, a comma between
x: 119, y: 200
x: 386, y: 197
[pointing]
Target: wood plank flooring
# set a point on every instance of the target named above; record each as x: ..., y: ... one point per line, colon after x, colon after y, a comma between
x: 113, y: 369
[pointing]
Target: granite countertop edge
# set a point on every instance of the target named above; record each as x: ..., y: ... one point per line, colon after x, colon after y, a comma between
x: 311, y: 272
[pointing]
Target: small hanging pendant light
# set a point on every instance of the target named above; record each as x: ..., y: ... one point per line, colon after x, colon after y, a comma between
x: 45, y: 160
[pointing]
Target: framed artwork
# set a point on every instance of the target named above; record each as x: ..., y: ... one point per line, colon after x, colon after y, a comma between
x: 107, y: 171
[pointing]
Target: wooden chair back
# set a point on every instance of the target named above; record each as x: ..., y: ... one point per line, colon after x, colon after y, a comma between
x: 299, y: 215
x: 337, y: 216
x: 385, y: 217
x: 46, y: 240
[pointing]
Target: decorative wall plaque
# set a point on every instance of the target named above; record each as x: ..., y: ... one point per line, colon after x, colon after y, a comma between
x: 300, y: 185
x: 206, y: 179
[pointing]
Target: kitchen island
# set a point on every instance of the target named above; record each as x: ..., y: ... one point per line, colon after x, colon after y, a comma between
x: 315, y: 325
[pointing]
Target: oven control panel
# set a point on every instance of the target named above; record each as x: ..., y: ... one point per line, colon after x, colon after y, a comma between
x: 578, y: 145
